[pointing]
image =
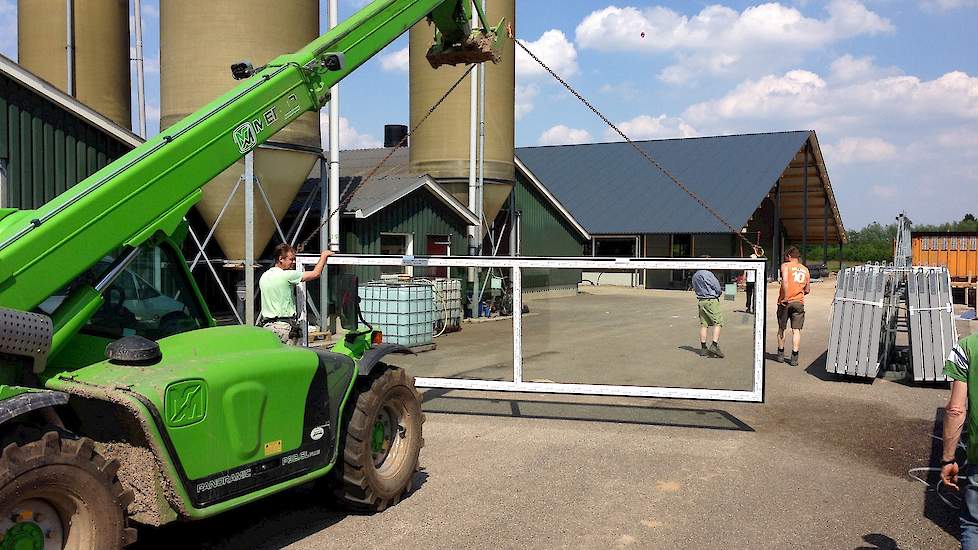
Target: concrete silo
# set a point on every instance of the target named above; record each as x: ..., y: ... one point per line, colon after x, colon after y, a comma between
x: 99, y: 36
x: 440, y: 147
x: 198, y: 43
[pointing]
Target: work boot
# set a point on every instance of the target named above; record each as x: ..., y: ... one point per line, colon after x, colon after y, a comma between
x: 781, y: 356
x: 703, y: 352
x: 715, y: 350
x: 794, y: 360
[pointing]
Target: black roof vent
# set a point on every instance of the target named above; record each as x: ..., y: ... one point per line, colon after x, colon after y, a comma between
x: 394, y: 133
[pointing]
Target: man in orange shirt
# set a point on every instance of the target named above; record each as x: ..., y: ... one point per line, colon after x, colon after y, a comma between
x: 795, y: 284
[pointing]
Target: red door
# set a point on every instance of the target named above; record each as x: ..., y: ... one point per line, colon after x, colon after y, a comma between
x: 438, y: 245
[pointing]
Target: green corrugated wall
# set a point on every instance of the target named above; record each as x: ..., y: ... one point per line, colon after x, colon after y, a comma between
x: 419, y: 214
x: 545, y: 232
x: 45, y: 149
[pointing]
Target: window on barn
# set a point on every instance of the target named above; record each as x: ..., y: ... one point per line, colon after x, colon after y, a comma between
x: 925, y: 244
x: 396, y: 244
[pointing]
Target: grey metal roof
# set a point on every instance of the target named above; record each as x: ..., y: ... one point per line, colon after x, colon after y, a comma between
x: 611, y: 189
x: 390, y: 183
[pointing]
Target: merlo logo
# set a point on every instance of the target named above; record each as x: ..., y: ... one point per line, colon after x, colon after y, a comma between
x: 186, y: 403
x: 245, y: 138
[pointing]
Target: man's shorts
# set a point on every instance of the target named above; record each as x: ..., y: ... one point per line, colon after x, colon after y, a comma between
x: 710, y: 314
x: 794, y: 311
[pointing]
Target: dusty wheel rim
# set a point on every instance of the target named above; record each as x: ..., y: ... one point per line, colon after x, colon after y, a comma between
x: 387, y: 437
x: 33, y: 524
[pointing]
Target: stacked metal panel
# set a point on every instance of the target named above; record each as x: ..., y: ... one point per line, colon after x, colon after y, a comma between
x: 861, y: 301
x: 931, y: 321
x: 902, y: 250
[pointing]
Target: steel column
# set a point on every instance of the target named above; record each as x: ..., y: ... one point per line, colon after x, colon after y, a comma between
x: 804, y: 207
x: 249, y: 229
x: 825, y: 232
x: 776, y: 255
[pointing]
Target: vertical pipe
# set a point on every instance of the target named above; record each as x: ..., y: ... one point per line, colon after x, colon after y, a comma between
x: 473, y: 231
x: 249, y: 229
x: 140, y: 84
x: 776, y: 233
x: 334, y: 146
x: 825, y: 231
x: 517, y: 276
x: 324, y: 210
x: 804, y: 208
x: 70, y: 48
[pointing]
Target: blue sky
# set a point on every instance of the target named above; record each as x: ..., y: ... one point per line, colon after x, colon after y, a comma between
x: 890, y: 87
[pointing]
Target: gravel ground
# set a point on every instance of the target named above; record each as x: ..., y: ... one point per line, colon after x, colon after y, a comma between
x: 822, y: 463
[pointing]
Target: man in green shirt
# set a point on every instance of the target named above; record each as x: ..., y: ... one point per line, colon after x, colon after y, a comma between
x: 277, y: 298
x: 962, y: 364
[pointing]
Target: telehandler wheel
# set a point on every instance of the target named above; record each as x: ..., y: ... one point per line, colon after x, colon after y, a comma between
x: 382, y: 442
x: 58, y: 494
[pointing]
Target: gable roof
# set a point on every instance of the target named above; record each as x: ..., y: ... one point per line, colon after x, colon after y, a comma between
x: 389, y: 184
x: 611, y: 189
x: 381, y: 192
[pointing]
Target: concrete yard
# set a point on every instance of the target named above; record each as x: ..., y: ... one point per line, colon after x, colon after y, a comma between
x: 822, y: 463
x: 603, y: 335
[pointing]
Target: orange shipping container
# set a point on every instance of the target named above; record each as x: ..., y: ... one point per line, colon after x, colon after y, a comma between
x: 956, y: 250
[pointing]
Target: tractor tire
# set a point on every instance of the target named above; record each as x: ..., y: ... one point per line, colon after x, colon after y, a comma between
x: 382, y: 442
x: 66, y: 478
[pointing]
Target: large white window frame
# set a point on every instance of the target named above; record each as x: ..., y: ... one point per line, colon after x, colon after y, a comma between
x: 516, y: 264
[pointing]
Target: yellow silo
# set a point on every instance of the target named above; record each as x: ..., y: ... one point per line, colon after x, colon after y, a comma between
x: 440, y: 147
x: 198, y: 43
x: 101, y: 50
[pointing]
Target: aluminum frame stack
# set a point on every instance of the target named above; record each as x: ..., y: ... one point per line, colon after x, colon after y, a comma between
x: 931, y: 321
x: 862, y: 300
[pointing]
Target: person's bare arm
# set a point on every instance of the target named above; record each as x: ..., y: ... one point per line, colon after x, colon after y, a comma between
x: 315, y: 272
x: 954, y: 416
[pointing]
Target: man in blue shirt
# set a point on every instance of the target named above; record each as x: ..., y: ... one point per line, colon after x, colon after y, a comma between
x: 708, y: 291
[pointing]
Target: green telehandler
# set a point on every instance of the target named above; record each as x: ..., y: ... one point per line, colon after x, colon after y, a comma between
x: 121, y: 400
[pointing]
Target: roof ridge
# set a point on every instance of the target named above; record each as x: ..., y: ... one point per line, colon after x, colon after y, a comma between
x: 690, y: 138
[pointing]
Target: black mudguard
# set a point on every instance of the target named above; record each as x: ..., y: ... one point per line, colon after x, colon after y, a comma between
x: 31, y: 401
x: 376, y: 353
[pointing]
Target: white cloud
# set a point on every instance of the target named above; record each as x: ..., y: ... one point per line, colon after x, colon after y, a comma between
x: 946, y: 5
x: 649, y: 127
x: 804, y: 96
x: 525, y: 94
x: 563, y: 135
x: 722, y: 40
x: 853, y: 150
x: 396, y: 61
x: 858, y: 69
x: 350, y: 137
x: 552, y: 48
x: 8, y: 28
